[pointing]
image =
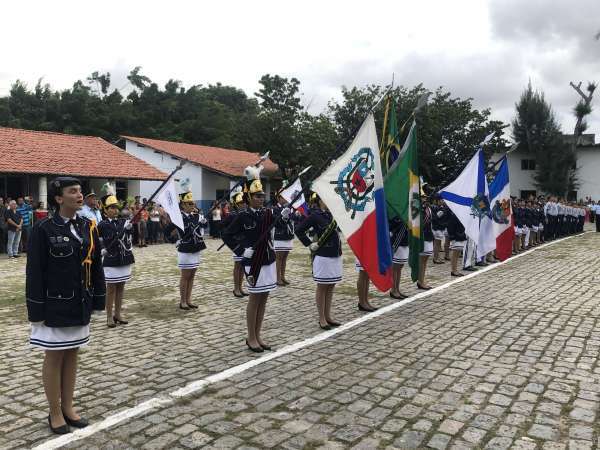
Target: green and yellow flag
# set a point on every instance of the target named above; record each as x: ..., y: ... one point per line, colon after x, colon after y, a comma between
x: 402, y: 186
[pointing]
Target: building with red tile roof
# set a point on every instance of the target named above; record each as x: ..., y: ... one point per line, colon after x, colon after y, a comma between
x: 29, y: 159
x: 210, y: 171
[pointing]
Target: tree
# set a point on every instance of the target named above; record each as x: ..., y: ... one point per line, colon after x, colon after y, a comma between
x: 538, y: 134
x: 102, y: 81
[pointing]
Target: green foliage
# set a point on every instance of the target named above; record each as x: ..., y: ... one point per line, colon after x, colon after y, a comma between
x: 224, y: 116
x: 538, y: 133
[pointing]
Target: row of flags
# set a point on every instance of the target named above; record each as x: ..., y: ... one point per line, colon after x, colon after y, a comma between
x: 368, y: 185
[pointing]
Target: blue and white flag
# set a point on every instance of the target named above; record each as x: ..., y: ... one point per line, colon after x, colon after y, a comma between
x: 468, y: 198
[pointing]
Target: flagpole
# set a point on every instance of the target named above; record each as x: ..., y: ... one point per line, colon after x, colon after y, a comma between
x: 147, y: 202
x: 240, y: 182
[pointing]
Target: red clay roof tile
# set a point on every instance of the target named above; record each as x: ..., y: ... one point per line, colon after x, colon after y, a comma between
x: 229, y: 162
x: 41, y: 152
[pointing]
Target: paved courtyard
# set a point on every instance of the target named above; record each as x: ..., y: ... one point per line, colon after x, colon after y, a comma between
x: 505, y: 359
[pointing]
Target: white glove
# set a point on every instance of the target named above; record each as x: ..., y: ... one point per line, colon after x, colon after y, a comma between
x: 313, y: 247
x: 285, y: 212
x: 203, y: 220
x: 103, y: 252
x: 439, y: 214
x: 248, y: 253
x: 128, y: 225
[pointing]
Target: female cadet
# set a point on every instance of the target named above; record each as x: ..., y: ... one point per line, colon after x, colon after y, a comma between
x: 237, y: 202
x: 456, y: 233
x: 399, y: 240
x: 117, y: 258
x: 64, y: 284
x: 326, y: 255
x: 253, y: 228
x: 189, y: 246
x: 284, y: 235
x: 427, y: 243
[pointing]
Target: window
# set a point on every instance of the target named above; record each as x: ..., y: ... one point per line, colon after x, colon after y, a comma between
x: 528, y: 164
x: 121, y: 190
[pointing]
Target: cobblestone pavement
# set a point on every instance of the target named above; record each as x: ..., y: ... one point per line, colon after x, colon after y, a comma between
x: 507, y: 359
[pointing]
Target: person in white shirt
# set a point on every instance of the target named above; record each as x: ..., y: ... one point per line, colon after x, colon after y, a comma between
x: 90, y: 208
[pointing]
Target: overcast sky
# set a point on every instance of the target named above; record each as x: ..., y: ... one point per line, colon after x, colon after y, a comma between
x: 485, y: 49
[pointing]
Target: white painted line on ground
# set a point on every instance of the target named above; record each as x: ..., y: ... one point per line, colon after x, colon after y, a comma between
x: 198, y: 385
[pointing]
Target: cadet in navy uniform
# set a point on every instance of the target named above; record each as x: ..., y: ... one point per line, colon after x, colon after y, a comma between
x: 399, y: 241
x: 117, y: 258
x: 456, y: 233
x: 189, y: 246
x: 427, y: 243
x: 251, y: 230
x: 64, y: 284
x: 237, y: 202
x: 284, y: 236
x: 438, y: 226
x: 326, y: 253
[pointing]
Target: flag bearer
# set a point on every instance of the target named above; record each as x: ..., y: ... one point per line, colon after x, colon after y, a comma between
x: 238, y: 205
x: 400, y: 252
x: 252, y: 230
x: 456, y: 233
x: 189, y: 246
x: 283, y: 240
x: 117, y: 257
x: 326, y: 254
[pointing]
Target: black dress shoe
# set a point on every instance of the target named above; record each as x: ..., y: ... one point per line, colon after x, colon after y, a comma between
x: 121, y: 321
x: 254, y: 349
x: 398, y: 297
x: 63, y: 429
x: 438, y: 262
x: 183, y: 307
x: 470, y: 269
x: 266, y: 347
x: 423, y: 288
x: 333, y: 323
x: 245, y: 294
x: 238, y: 295
x: 80, y: 423
x: 192, y: 306
x: 363, y: 308
x: 457, y: 274
x: 325, y: 327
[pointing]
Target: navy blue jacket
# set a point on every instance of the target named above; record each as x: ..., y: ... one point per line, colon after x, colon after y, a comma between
x: 284, y: 229
x: 318, y: 221
x: 398, y: 233
x: 456, y: 230
x: 245, y: 231
x: 190, y: 239
x: 55, y: 284
x: 117, y: 242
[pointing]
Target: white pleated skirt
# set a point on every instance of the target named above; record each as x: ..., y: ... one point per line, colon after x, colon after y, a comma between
x: 283, y: 246
x: 327, y: 269
x: 188, y: 260
x: 59, y: 338
x: 357, y: 265
x: 267, y: 279
x: 400, y: 256
x: 427, y: 248
x: 457, y: 245
x: 438, y: 235
x: 119, y: 274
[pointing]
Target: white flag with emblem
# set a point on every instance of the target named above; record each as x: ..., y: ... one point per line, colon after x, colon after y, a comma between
x: 168, y: 199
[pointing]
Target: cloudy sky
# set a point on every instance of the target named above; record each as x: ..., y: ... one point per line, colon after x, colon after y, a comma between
x: 485, y: 49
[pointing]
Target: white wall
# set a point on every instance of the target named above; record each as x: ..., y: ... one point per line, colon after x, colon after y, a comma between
x: 588, y: 175
x: 166, y: 163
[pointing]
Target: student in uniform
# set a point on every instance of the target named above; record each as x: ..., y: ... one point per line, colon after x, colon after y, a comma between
x: 438, y: 226
x: 117, y: 258
x: 238, y: 205
x: 253, y: 227
x: 283, y: 241
x: 189, y: 246
x: 400, y: 252
x: 427, y: 244
x: 326, y: 253
x: 456, y: 233
x: 64, y: 285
